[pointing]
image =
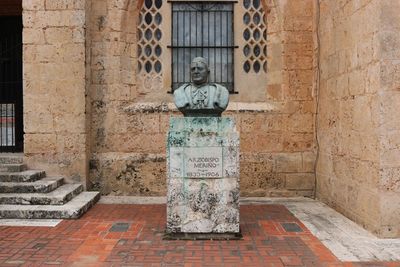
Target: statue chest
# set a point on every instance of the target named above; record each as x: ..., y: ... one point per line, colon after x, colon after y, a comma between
x: 201, y: 97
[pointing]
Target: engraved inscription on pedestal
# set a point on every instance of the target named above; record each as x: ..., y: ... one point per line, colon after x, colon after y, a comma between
x: 197, y: 162
x: 203, y: 162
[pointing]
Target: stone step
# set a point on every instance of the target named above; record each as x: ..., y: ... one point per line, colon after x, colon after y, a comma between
x: 60, y: 196
x: 44, y: 185
x: 12, y: 167
x: 71, y: 210
x: 11, y: 158
x: 25, y: 176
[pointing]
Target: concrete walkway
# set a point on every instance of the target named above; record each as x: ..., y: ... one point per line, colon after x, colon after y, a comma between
x: 347, y: 240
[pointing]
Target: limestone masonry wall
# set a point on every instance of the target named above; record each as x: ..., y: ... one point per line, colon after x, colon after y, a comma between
x: 91, y: 116
x: 358, y: 122
x: 54, y: 87
x: 129, y: 124
x: 389, y: 100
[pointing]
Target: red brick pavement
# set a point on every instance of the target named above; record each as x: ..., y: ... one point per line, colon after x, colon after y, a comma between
x: 89, y: 242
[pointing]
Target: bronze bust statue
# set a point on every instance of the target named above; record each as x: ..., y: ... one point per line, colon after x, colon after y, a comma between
x: 201, y: 98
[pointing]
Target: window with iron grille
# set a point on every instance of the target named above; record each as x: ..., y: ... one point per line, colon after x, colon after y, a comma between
x: 203, y: 29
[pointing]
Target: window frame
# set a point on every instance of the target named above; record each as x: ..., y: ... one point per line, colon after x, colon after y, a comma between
x: 230, y: 48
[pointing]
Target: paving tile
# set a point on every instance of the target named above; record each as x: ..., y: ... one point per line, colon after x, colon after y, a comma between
x: 291, y: 227
x: 131, y: 235
x: 119, y: 227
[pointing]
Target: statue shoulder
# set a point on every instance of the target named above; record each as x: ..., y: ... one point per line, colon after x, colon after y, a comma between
x: 221, y: 96
x: 181, y: 89
x: 220, y: 88
x: 180, y: 97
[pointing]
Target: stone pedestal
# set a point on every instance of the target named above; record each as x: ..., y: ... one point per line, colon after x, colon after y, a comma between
x: 203, y: 176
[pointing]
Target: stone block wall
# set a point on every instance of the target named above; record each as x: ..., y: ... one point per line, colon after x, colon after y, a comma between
x: 87, y: 117
x: 54, y: 87
x: 129, y: 124
x: 389, y: 103
x: 358, y: 125
x: 84, y: 109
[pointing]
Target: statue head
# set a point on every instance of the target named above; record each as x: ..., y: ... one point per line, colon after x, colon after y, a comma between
x: 199, y: 71
x: 202, y: 99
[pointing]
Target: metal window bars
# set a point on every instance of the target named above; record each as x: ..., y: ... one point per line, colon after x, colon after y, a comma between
x: 7, y: 125
x: 203, y: 29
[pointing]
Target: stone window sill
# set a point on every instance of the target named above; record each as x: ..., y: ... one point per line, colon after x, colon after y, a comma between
x: 156, y: 107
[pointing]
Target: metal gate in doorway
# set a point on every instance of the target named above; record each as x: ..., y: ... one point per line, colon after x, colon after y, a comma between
x: 11, y: 110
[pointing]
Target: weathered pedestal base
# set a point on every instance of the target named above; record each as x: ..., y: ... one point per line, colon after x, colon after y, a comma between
x: 203, y: 178
x: 202, y: 236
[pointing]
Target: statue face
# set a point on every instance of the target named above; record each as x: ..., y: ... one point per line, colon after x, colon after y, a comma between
x: 199, y: 72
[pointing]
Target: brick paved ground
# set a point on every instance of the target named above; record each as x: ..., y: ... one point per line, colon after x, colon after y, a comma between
x: 131, y: 235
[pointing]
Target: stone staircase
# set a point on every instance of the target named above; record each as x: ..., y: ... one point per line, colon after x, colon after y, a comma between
x: 30, y: 194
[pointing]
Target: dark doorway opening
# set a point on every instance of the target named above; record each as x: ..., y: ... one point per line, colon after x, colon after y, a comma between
x: 11, y: 97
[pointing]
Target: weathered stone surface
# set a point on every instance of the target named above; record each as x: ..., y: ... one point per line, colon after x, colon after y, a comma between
x: 22, y: 191
x: 358, y: 122
x: 59, y: 196
x: 298, y: 181
x: 79, y: 63
x: 203, y: 176
x: 354, y: 72
x: 41, y: 186
x: 11, y: 158
x: 54, y: 85
x: 25, y: 176
x: 203, y: 206
x: 128, y: 174
x: 33, y: 4
x: 12, y: 167
x: 72, y: 210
